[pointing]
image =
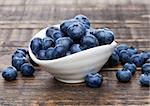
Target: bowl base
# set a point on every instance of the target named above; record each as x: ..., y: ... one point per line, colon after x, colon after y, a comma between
x: 70, y: 81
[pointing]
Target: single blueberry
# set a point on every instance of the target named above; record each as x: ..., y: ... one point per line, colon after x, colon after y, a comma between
x: 9, y: 73
x: 114, y: 59
x: 89, y: 41
x: 145, y: 79
x: 50, y: 31
x: 76, y: 30
x: 65, y: 24
x: 49, y: 52
x: 27, y: 69
x: 104, y: 36
x: 83, y: 19
x: 122, y: 47
x: 124, y: 57
x: 59, y: 51
x: 17, y: 62
x: 75, y: 48
x: 56, y: 35
x: 131, y: 67
x: 65, y: 41
x: 146, y: 68
x: 137, y: 59
x: 124, y: 75
x: 41, y: 55
x: 47, y: 42
x: 36, y: 45
x: 94, y: 80
x: 145, y: 55
x: 132, y: 51
x: 19, y: 53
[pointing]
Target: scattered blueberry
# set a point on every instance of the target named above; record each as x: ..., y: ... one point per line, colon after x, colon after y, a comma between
x: 17, y: 62
x: 41, y: 55
x: 124, y: 57
x: 93, y: 80
x: 83, y: 19
x: 65, y: 41
x: 145, y: 79
x: 36, y: 45
x: 76, y: 30
x: 47, y: 42
x: 124, y: 75
x: 146, y: 68
x: 49, y: 52
x: 75, y: 48
x: 89, y: 41
x: 9, y: 73
x: 137, y: 59
x: 131, y: 67
x: 114, y: 59
x: 27, y: 69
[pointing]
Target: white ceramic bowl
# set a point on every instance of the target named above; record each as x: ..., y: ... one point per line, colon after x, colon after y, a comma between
x: 73, y: 68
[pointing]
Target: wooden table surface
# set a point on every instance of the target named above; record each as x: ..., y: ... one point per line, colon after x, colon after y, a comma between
x: 21, y: 19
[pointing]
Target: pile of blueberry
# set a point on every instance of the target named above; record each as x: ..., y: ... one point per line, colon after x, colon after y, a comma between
x: 20, y: 62
x: 74, y: 35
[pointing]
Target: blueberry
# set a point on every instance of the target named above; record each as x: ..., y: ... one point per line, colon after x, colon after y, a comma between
x: 124, y: 57
x: 75, y: 48
x: 65, y: 41
x: 19, y: 53
x: 51, y: 30
x: 56, y: 35
x: 89, y: 41
x: 91, y: 31
x: 49, y: 52
x: 137, y: 59
x: 83, y: 19
x: 41, y: 55
x: 59, y: 51
x: 145, y: 79
x: 94, y: 80
x: 114, y: 59
x: 122, y: 47
x: 36, y: 45
x: 132, y: 51
x: 65, y: 24
x: 131, y: 67
x: 9, y: 73
x: 104, y: 36
x: 148, y: 61
x: 76, y: 30
x: 47, y: 42
x: 116, y: 50
x: 124, y: 75
x: 145, y: 55
x: 146, y: 68
x: 17, y: 62
x: 27, y: 69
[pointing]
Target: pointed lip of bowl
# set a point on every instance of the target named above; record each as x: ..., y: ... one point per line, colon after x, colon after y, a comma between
x: 113, y: 44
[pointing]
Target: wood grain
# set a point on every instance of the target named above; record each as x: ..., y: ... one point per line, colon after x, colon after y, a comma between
x: 21, y: 19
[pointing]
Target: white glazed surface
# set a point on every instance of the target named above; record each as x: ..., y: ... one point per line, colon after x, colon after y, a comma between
x: 73, y: 68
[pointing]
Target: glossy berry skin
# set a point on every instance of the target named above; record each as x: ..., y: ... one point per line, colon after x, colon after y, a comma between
x: 132, y: 51
x: 49, y: 52
x: 131, y: 67
x: 36, y: 45
x: 104, y: 36
x: 76, y: 30
x: 89, y: 41
x: 93, y: 80
x: 114, y: 59
x: 84, y: 20
x: 75, y: 48
x: 146, y: 68
x: 47, y: 42
x: 9, y: 73
x: 27, y: 69
x: 17, y: 62
x: 145, y: 79
x: 50, y: 31
x: 59, y: 51
x: 41, y: 55
x: 137, y: 59
x: 122, y: 47
x: 124, y: 75
x: 65, y: 41
x: 124, y: 57
x: 65, y: 24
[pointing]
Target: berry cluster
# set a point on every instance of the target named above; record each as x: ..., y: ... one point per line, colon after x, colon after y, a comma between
x: 20, y: 62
